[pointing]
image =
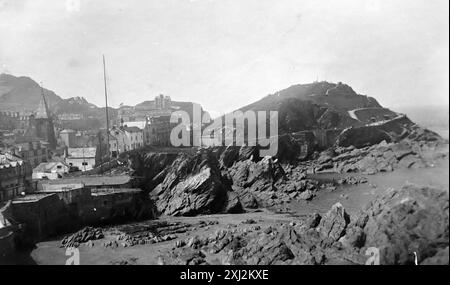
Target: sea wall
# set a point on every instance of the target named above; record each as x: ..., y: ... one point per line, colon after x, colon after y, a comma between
x: 44, y: 215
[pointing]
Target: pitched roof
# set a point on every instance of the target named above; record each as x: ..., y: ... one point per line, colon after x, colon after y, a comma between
x: 47, y: 166
x: 141, y: 124
x: 81, y: 152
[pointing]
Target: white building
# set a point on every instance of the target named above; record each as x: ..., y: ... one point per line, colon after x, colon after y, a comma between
x: 50, y: 170
x: 134, y: 137
x: 144, y: 126
x: 84, y: 158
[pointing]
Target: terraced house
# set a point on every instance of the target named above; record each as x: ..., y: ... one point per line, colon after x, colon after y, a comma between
x: 30, y: 149
x: 134, y: 137
x: 15, y: 176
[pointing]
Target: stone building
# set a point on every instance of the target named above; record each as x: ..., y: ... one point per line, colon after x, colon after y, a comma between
x: 134, y: 137
x: 144, y: 126
x: 116, y: 142
x: 159, y: 131
x: 15, y: 176
x: 29, y: 149
x: 68, y: 137
x: 125, y: 139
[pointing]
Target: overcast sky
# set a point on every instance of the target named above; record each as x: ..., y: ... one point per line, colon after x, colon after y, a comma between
x: 227, y: 53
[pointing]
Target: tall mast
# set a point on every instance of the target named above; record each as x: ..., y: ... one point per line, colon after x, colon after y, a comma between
x: 106, y: 103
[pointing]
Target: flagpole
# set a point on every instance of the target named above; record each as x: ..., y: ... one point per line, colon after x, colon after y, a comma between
x: 107, y: 116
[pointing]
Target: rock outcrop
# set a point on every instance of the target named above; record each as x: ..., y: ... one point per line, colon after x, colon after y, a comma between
x: 151, y: 166
x: 266, y: 184
x: 82, y: 236
x: 382, y: 157
x: 193, y: 186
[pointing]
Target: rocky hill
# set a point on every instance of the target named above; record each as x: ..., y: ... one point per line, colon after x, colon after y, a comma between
x: 320, y: 105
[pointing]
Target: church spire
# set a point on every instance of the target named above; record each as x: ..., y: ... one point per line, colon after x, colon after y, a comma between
x: 42, y: 111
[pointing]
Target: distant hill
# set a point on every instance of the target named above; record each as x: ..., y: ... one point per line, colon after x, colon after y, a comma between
x: 23, y: 94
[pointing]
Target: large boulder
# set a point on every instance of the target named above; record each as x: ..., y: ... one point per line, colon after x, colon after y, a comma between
x: 193, y: 186
x: 334, y: 222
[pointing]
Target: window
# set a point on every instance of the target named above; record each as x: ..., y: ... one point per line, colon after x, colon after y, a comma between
x: 84, y: 163
x: 58, y: 166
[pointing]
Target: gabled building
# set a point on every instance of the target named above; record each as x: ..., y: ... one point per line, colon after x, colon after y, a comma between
x: 144, y: 126
x: 134, y: 137
x: 50, y: 170
x: 84, y: 158
x: 117, y: 143
x: 30, y: 149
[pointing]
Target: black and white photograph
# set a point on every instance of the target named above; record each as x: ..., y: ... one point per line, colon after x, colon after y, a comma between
x: 225, y: 133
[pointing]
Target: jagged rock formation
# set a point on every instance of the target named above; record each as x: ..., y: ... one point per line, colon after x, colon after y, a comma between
x: 382, y: 157
x: 412, y: 219
x: 265, y: 183
x: 193, y: 186
x: 151, y: 167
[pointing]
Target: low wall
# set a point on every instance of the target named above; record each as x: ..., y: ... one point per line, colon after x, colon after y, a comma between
x: 7, y: 246
x: 48, y: 214
x: 43, y: 215
x: 110, y: 205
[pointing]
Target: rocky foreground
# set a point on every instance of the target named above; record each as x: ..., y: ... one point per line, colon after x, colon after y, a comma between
x: 402, y: 225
